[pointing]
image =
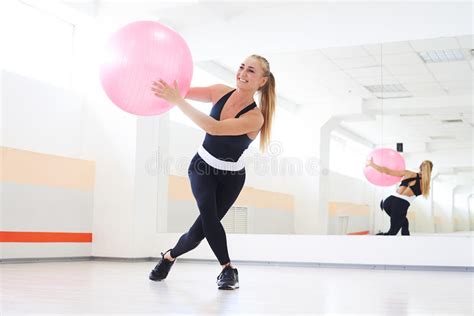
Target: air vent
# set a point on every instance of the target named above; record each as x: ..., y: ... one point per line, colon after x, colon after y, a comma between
x: 442, y: 137
x: 441, y: 56
x: 235, y: 221
x: 387, y: 88
x: 452, y: 121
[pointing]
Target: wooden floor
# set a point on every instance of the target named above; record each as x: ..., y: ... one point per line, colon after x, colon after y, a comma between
x: 95, y: 287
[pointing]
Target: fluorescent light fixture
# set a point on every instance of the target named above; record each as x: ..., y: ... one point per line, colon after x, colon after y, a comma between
x: 441, y: 56
x: 452, y: 121
x: 395, y: 97
x: 386, y: 88
x: 414, y: 114
x: 442, y: 137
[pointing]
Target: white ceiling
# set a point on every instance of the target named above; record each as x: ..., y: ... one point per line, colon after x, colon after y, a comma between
x: 321, y: 49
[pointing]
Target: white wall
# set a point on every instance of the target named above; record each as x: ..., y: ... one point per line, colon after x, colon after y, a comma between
x: 41, y: 117
x: 110, y: 139
x: 45, y: 119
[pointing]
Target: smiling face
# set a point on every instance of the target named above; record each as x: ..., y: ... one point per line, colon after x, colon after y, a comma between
x: 251, y: 75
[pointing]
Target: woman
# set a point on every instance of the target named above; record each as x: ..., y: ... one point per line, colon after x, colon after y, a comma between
x: 412, y: 185
x: 216, y: 172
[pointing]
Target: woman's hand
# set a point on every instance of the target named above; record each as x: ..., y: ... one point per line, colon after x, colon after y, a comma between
x: 369, y: 163
x: 166, y: 92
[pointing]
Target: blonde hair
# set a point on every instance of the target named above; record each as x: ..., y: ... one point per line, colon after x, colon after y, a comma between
x: 426, y: 168
x: 267, y: 102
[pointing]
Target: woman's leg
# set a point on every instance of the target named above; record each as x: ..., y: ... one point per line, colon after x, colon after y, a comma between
x: 387, y: 204
x: 203, y: 185
x: 204, y: 188
x: 398, y: 212
x: 405, y: 228
x: 226, y: 195
x: 229, y: 187
x: 189, y: 240
x: 396, y: 221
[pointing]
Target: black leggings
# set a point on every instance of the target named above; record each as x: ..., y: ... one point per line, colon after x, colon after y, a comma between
x: 397, y: 209
x: 215, y: 192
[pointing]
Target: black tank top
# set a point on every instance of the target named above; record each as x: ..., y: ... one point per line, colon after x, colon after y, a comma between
x: 227, y: 148
x: 416, y: 188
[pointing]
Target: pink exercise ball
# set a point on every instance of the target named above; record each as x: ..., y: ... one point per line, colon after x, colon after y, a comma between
x: 384, y: 157
x: 138, y: 54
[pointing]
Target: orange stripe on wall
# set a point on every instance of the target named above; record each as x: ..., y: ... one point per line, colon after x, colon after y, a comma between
x: 179, y: 189
x: 44, y: 237
x: 347, y: 209
x: 365, y: 232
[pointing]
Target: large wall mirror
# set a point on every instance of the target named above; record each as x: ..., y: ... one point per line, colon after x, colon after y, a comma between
x: 335, y: 106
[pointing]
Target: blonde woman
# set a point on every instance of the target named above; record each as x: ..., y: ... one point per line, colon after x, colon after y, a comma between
x: 396, y: 205
x: 216, y: 172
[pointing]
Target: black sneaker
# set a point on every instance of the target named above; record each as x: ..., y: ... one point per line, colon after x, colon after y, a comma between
x: 161, y: 270
x: 228, y: 279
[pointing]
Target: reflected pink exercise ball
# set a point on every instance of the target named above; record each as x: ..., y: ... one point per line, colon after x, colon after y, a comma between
x: 384, y: 157
x: 138, y: 54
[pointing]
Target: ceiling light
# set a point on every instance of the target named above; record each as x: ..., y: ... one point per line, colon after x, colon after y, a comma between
x: 440, y: 56
x: 414, y: 114
x: 442, y: 137
x: 386, y: 88
x: 452, y: 121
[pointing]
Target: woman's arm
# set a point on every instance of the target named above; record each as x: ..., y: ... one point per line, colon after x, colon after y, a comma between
x: 392, y: 172
x: 251, y: 121
x: 204, y: 121
x: 206, y: 94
